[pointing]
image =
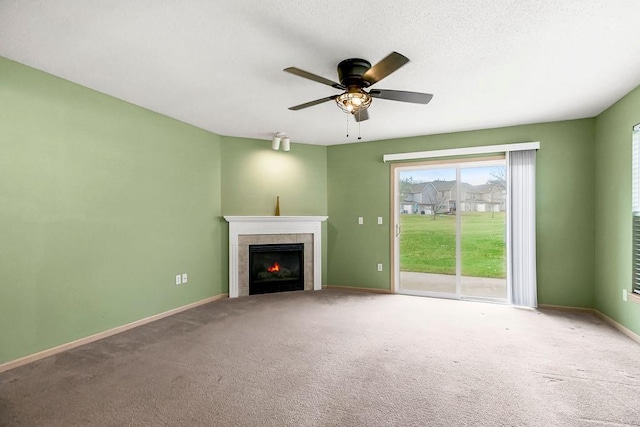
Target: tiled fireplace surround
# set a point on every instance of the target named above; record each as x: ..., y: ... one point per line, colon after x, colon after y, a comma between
x: 260, y: 230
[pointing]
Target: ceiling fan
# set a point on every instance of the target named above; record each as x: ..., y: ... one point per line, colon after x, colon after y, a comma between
x: 355, y: 76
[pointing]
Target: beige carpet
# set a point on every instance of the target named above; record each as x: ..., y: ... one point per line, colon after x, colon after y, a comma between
x: 334, y: 358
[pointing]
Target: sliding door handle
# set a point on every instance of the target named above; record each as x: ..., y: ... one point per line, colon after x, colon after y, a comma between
x: 398, y: 229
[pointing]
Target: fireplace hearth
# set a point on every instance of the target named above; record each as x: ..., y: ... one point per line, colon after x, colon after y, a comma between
x: 276, y: 268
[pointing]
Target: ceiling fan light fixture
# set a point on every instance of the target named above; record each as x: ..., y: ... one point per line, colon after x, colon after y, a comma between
x: 353, y: 101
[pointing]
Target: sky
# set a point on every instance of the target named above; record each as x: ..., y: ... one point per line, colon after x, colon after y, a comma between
x: 474, y: 176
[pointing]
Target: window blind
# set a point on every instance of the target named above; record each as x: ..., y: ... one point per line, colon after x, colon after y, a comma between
x: 635, y: 196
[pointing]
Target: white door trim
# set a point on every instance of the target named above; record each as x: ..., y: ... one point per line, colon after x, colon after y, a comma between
x: 396, y: 230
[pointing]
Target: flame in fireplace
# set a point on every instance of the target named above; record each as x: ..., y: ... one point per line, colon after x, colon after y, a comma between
x: 274, y: 268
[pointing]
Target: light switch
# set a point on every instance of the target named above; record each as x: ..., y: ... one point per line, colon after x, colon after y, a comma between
x: 379, y: 220
x: 184, y: 278
x: 360, y: 220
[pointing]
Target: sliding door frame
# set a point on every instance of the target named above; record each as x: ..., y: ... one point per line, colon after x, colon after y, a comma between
x: 396, y: 231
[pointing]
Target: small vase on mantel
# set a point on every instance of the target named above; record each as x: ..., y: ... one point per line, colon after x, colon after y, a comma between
x: 277, y: 205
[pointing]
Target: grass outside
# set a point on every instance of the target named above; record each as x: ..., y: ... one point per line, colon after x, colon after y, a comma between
x: 429, y: 246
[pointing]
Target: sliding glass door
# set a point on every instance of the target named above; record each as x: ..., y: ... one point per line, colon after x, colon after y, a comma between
x: 450, y: 229
x: 483, y: 225
x: 427, y: 231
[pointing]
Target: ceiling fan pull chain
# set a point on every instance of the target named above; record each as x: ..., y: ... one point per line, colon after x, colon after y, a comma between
x: 359, y: 137
x: 347, y: 126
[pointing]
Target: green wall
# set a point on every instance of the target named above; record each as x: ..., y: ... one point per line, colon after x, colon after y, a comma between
x: 359, y: 185
x: 102, y: 203
x: 613, y: 210
x: 253, y: 175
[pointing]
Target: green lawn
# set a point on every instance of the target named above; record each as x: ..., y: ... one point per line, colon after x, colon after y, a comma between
x: 429, y: 246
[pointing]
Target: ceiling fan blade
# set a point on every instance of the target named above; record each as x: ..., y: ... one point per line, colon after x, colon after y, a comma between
x: 401, y: 95
x: 312, y: 103
x: 361, y: 115
x: 314, y: 77
x: 382, y: 69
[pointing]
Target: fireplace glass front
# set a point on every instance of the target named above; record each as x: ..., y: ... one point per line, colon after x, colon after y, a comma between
x: 276, y: 268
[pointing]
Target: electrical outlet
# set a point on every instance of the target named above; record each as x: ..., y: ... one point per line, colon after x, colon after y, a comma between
x: 360, y: 220
x: 184, y: 277
x: 379, y: 267
x: 624, y: 295
x: 379, y: 220
x: 178, y: 279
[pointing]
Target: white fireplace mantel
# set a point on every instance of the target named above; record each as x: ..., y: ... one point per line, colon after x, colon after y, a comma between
x: 239, y: 225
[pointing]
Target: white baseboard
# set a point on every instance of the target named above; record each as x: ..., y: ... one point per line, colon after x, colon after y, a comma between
x: 628, y: 332
x: 101, y: 335
x: 566, y: 308
x: 352, y: 288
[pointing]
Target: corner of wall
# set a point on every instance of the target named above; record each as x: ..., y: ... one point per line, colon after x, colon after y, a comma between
x: 612, y: 260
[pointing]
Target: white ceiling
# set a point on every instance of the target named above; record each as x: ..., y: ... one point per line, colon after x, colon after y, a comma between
x: 218, y: 64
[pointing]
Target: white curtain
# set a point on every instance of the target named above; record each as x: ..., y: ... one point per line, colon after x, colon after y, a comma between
x: 521, y: 181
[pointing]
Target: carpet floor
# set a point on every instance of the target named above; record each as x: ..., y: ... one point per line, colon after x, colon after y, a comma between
x: 336, y: 358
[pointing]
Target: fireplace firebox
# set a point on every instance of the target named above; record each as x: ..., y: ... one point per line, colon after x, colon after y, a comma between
x: 276, y: 268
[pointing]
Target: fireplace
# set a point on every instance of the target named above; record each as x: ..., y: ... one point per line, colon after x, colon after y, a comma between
x: 245, y: 231
x: 276, y: 268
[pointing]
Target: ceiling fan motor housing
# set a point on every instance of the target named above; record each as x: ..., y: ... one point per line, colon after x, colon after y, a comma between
x: 350, y: 72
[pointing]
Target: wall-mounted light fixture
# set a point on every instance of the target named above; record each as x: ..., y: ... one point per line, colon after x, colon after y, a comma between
x: 275, y: 141
x: 286, y: 144
x: 280, y: 139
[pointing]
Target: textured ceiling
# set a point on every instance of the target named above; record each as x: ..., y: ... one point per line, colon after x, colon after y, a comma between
x: 218, y: 64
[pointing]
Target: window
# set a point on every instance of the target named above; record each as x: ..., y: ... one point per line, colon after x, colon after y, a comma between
x: 635, y: 196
